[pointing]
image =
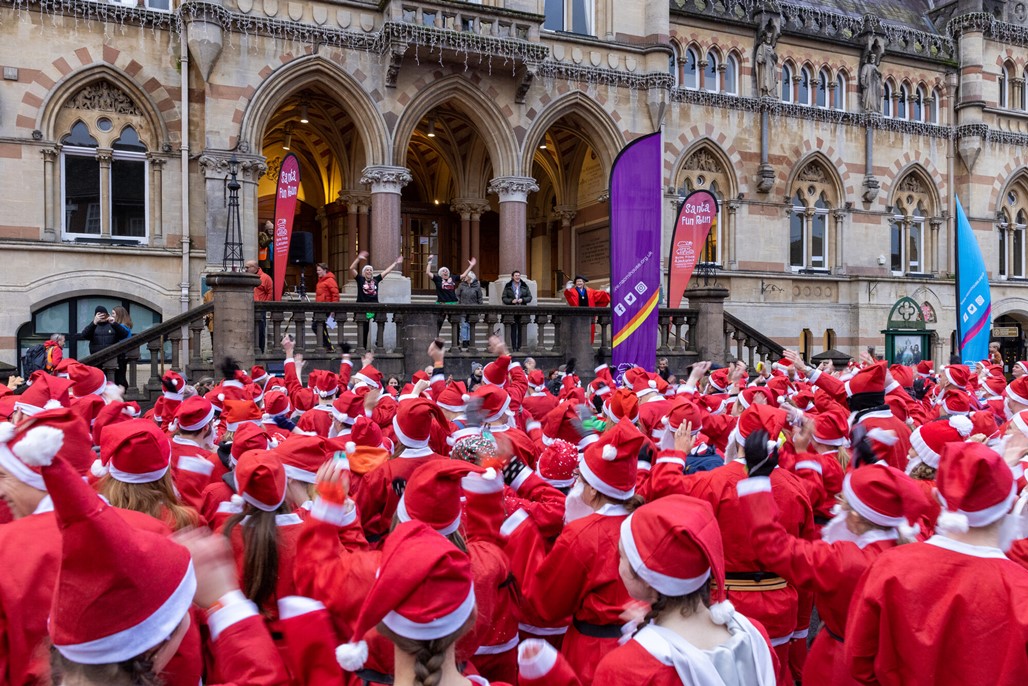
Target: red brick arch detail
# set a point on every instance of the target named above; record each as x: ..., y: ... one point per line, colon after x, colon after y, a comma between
x: 899, y: 167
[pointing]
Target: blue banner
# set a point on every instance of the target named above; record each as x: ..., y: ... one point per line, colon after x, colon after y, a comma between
x: 974, y: 303
x: 636, y: 204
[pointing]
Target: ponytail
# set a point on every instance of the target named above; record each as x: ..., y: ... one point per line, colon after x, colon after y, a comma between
x: 260, y: 553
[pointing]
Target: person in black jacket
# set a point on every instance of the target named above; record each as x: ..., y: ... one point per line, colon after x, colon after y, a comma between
x: 516, y: 293
x: 102, y: 331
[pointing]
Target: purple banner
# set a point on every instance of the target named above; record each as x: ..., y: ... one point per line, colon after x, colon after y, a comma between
x: 635, y: 229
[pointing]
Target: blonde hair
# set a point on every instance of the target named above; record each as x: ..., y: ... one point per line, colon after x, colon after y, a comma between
x: 121, y: 316
x: 156, y: 499
x: 429, y: 656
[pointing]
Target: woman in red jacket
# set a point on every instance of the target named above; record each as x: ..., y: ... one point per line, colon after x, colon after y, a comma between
x: 327, y: 291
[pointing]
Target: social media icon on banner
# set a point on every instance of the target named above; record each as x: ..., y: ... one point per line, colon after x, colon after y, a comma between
x: 619, y: 309
x: 629, y: 299
x: 640, y: 288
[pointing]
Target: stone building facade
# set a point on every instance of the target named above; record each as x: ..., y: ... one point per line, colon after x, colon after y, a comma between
x: 835, y: 138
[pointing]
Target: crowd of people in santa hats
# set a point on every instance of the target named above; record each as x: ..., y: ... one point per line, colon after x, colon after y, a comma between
x: 315, y: 528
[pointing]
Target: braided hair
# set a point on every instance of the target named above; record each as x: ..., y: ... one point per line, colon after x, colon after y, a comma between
x: 429, y: 656
x: 137, y: 671
x: 686, y: 605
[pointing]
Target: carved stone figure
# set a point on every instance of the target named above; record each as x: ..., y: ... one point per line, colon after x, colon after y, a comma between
x: 766, y: 60
x: 871, y: 77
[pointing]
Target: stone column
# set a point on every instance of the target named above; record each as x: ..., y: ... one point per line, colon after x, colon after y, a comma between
x: 51, y: 206
x: 356, y: 237
x: 838, y: 257
x: 103, y: 155
x: 730, y: 251
x: 935, y: 223
x: 566, y: 215
x: 157, y: 196
x: 214, y: 165
x: 710, y: 326
x: 478, y: 208
x: 513, y: 194
x: 233, y: 316
x: 386, y: 184
x: 463, y: 208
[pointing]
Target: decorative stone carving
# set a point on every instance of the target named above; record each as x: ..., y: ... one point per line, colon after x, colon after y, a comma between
x: 871, y: 187
x: 525, y: 79
x: 355, y: 200
x: 765, y: 178
x: 911, y: 183
x: 393, y: 70
x: 103, y: 96
x: 565, y: 213
x: 513, y: 188
x: 385, y: 179
x: 274, y: 164
x: 765, y: 56
x: 870, y: 76
x: 703, y: 160
x: 814, y: 173
x: 217, y: 164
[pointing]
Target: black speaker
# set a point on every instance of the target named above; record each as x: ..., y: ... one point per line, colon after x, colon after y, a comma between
x: 301, y: 248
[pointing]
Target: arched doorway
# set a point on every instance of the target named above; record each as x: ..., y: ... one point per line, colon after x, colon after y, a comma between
x: 314, y: 125
x: 1008, y: 330
x: 569, y: 218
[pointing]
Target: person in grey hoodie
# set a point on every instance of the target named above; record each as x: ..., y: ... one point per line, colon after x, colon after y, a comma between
x: 469, y: 292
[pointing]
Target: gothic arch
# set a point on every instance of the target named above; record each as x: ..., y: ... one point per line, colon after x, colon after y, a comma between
x: 709, y: 146
x: 606, y: 139
x: 311, y: 71
x: 924, y: 179
x: 70, y: 85
x: 492, y: 126
x: 832, y: 180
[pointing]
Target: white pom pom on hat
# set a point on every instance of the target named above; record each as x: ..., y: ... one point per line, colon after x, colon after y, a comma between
x: 39, y: 446
x: 98, y: 469
x: 962, y: 424
x: 236, y: 500
x: 722, y: 612
x: 352, y: 656
x: 351, y: 447
x: 952, y: 522
x: 610, y: 453
x: 6, y: 432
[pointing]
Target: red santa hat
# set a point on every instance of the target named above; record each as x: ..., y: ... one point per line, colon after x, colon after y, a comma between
x: 720, y: 379
x: 120, y: 591
x: 216, y: 398
x: 924, y: 369
x: 674, y: 545
x: 959, y: 375
x: 61, y: 369
x: 610, y: 464
x: 259, y: 373
x: 955, y: 401
x: 113, y: 413
x: 928, y: 440
x: 88, y: 407
x: 45, y: 392
x: 433, y: 494
x: 717, y: 403
x: 248, y: 437
x: 803, y: 400
x: 172, y: 385
x: 86, y: 380
x: 194, y: 414
x: 562, y: 422
x: 423, y: 591
x: 1016, y: 391
x: 18, y: 442
x: 571, y: 391
x: 276, y: 404
x: 684, y: 412
x: 326, y: 384
x: 599, y: 387
x: 368, y: 376
x: 975, y: 486
x: 902, y: 375
x: 779, y: 387
x: 452, y: 397
x: 623, y: 404
x: 831, y: 428
x: 261, y: 480
x: 749, y: 396
x: 495, y: 402
x: 984, y: 423
x: 348, y: 407
x: 870, y: 379
x: 495, y: 372
x: 557, y: 464
x: 537, y: 380
x: 135, y: 452
x: 302, y: 456
x: 237, y: 412
x: 368, y: 434
x: 773, y: 420
x: 885, y: 496
x: 1023, y: 365
x: 413, y: 421
x: 995, y: 385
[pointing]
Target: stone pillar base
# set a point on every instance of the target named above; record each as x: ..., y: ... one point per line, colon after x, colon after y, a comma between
x: 709, y: 338
x: 531, y: 331
x: 233, y: 316
x: 395, y: 288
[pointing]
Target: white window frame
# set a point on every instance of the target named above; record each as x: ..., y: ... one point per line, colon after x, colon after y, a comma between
x: 77, y: 151
x: 888, y: 106
x: 567, y: 22
x: 933, y: 110
x: 130, y: 156
x: 171, y: 5
x: 1004, y: 87
x: 732, y: 67
x: 684, y: 77
x: 807, y: 227
x: 829, y: 92
x: 839, y: 96
x: 805, y: 73
x: 905, y: 229
x: 809, y: 236
x: 712, y: 58
x: 902, y: 104
x: 787, y: 85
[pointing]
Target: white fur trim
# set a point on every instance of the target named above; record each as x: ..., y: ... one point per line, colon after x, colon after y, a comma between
x: 482, y: 483
x: 133, y: 478
x: 602, y: 486
x: 39, y: 446
x: 195, y: 464
x: 342, y: 515
x: 668, y: 585
x: 352, y: 656
x: 98, y: 469
x: 296, y: 605
x: 6, y: 432
x: 438, y: 627
x: 865, y: 510
x: 812, y: 465
x: 962, y: 424
x: 298, y: 474
x: 511, y: 524
x: 882, y: 436
x: 540, y: 664
x: 952, y: 522
x: 753, y: 484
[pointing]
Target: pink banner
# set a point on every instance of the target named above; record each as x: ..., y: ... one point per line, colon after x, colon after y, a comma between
x: 697, y: 216
x: 285, y: 209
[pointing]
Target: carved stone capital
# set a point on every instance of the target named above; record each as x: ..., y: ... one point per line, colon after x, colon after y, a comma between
x: 935, y: 223
x: 156, y: 163
x: 565, y: 213
x: 104, y: 155
x: 384, y: 179
x: 217, y: 164
x: 355, y: 200
x: 733, y: 206
x: 513, y: 188
x: 839, y: 215
x: 49, y: 154
x: 765, y: 178
x: 469, y: 208
x: 871, y: 188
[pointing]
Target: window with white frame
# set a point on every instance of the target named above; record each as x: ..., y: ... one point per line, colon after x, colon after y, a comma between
x: 103, y: 190
x: 672, y: 64
x: 919, y: 104
x: 786, y: 83
x: 887, y: 100
x: 165, y: 5
x: 808, y: 233
x: 690, y: 70
x: 703, y: 170
x: 823, y: 98
x: 1004, y: 86
x: 731, y: 75
x: 805, y: 87
x: 908, y: 241
x: 711, y: 73
x: 572, y: 16
x: 901, y: 102
x: 933, y: 107
x: 840, y: 92
x: 1012, y: 223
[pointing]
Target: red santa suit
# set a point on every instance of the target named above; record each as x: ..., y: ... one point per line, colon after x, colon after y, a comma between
x: 896, y: 634
x: 587, y: 297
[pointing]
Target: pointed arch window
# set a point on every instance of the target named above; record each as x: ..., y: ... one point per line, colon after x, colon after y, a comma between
x: 1003, y: 226
x: 840, y: 92
x: 732, y: 75
x: 1004, y: 86
x: 690, y: 70
x: 933, y: 107
x: 672, y: 64
x: 1017, y: 245
x: 803, y: 96
x: 702, y: 170
x: 887, y: 100
x: 901, y: 103
x: 824, y: 95
x: 786, y: 83
x: 711, y: 73
x: 919, y: 104
x: 812, y: 233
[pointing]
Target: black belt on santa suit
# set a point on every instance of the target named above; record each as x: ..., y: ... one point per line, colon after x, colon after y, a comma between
x: 754, y: 581
x: 597, y: 630
x: 370, y: 677
x: 832, y: 634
